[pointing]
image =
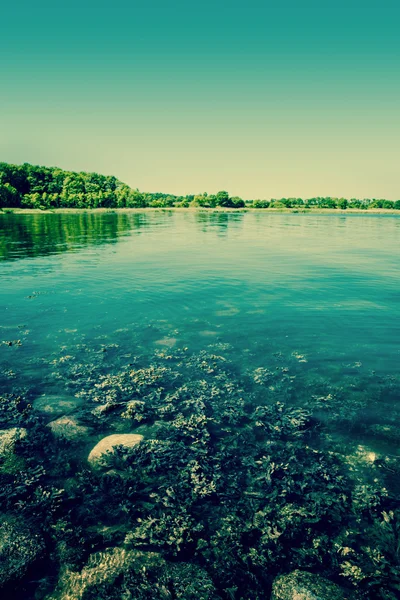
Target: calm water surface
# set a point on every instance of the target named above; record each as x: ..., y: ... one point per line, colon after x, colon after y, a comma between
x: 321, y: 292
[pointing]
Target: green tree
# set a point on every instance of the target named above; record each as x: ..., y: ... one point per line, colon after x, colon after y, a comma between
x: 8, y: 195
x: 388, y: 204
x: 327, y: 203
x: 237, y: 202
x: 260, y: 204
x: 223, y: 199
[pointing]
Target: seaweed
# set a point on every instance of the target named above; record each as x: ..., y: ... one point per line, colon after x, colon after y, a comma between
x: 233, y: 484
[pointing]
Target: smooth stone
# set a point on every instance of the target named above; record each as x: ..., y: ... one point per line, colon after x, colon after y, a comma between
x: 301, y: 585
x: 67, y: 428
x: 19, y: 548
x: 107, y: 444
x: 55, y: 405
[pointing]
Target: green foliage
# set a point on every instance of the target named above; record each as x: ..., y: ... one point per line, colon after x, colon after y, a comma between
x: 237, y: 202
x: 29, y: 186
x: 327, y: 203
x: 223, y: 199
x: 43, y: 187
x: 260, y: 204
x: 8, y: 195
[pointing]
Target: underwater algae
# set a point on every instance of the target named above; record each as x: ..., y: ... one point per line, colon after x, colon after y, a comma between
x: 182, y: 477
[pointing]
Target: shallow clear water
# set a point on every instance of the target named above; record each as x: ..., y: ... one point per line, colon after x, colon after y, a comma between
x: 322, y: 287
x: 256, y: 353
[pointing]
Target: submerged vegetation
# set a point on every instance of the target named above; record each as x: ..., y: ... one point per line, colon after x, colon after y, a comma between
x: 28, y: 186
x: 230, y: 480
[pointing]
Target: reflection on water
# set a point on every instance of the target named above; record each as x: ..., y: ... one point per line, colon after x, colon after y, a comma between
x: 41, y: 234
x: 46, y: 233
x: 36, y: 234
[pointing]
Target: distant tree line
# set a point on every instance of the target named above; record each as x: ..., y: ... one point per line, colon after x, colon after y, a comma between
x: 326, y: 202
x: 29, y: 186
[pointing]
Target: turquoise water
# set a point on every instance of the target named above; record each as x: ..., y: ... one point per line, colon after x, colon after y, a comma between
x: 326, y: 287
x: 314, y: 298
x: 322, y: 287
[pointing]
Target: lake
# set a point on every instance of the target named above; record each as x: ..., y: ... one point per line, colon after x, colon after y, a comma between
x: 304, y: 308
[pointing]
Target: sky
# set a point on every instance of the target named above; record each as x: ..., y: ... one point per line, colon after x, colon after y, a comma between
x: 262, y: 99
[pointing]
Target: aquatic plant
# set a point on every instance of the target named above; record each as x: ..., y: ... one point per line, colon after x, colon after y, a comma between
x: 233, y: 484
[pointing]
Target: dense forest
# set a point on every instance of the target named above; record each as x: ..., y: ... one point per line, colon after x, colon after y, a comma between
x: 29, y: 186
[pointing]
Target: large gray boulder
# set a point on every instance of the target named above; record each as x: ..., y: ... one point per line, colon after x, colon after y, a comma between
x: 98, y: 456
x: 19, y: 548
x: 301, y: 585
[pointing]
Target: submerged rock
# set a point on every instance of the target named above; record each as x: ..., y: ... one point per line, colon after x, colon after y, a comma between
x: 19, y: 548
x: 67, y: 428
x: 123, y: 573
x: 54, y: 405
x: 361, y: 457
x: 8, y: 439
x: 97, y: 456
x: 105, y: 409
x: 97, y: 577
x: 168, y: 342
x: 301, y: 585
x: 10, y: 462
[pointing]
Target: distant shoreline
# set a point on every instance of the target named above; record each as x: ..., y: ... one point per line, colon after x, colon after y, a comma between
x: 313, y: 211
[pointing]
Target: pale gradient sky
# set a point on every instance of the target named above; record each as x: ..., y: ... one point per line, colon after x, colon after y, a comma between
x: 264, y: 99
